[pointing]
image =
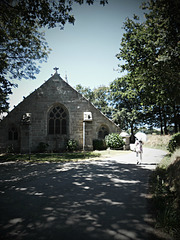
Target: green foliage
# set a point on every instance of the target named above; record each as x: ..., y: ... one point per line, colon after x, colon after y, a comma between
x: 99, y: 144
x: 99, y: 97
x: 22, y: 44
x: 127, y: 108
x: 102, y: 101
x: 165, y: 189
x: 151, y: 52
x: 5, y: 90
x: 42, y: 147
x: 85, y: 92
x: 114, y: 141
x: 71, y: 145
x: 174, y: 142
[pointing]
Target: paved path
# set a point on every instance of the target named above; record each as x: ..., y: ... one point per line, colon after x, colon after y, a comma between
x: 89, y: 200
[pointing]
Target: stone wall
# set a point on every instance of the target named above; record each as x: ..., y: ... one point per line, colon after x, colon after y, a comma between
x: 54, y: 92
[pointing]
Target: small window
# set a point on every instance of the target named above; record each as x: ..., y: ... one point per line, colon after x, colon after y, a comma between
x: 103, y: 131
x: 12, y: 134
x: 57, y: 121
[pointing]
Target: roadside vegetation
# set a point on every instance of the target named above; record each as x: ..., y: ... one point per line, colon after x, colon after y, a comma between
x: 157, y: 141
x: 165, y: 188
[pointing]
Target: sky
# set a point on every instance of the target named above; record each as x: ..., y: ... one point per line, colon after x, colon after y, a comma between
x: 86, y: 51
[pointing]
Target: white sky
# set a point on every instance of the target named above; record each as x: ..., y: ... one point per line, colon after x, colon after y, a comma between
x: 86, y: 50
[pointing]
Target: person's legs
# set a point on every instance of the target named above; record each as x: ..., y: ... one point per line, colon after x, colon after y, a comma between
x: 137, y: 159
x: 140, y: 157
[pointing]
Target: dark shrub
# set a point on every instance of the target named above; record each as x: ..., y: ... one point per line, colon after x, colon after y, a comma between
x: 42, y: 147
x: 10, y: 149
x: 99, y: 144
x: 174, y: 142
x: 71, y: 145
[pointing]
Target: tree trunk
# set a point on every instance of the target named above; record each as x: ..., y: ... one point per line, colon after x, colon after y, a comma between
x: 165, y: 126
x: 175, y: 118
x: 165, y: 121
x: 132, y: 138
x: 161, y: 122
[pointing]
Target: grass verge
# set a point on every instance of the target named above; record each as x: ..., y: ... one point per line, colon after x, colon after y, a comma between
x: 48, y: 157
x: 157, y: 141
x: 165, y: 189
x: 59, y: 157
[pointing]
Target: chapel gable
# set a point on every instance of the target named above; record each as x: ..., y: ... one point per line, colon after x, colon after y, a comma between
x: 53, y: 114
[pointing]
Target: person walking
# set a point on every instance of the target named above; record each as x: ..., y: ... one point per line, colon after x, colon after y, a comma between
x: 139, y: 150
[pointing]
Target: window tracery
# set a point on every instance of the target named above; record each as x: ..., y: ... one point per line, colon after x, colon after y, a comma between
x: 12, y: 133
x: 57, y: 121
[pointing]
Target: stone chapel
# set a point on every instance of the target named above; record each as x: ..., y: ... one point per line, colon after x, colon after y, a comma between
x: 53, y: 114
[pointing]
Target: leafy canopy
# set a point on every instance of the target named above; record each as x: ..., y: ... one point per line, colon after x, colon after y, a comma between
x: 151, y: 51
x: 127, y: 107
x: 22, y: 44
x: 99, y: 97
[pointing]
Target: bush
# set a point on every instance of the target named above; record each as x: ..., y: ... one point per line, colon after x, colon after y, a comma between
x: 114, y: 141
x: 71, y: 145
x: 174, y: 142
x: 99, y: 144
x: 165, y: 190
x: 42, y: 147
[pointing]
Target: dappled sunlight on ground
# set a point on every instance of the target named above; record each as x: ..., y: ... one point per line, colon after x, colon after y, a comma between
x: 102, y: 199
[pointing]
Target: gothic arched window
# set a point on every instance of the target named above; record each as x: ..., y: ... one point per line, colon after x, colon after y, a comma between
x: 103, y: 131
x: 12, y: 133
x: 57, y: 120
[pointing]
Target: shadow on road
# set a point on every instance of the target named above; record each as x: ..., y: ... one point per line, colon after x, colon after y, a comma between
x: 85, y: 200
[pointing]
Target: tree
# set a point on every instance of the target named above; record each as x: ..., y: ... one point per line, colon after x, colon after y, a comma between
x: 85, y: 92
x: 22, y: 45
x: 102, y: 101
x: 99, y: 97
x: 128, y: 111
x: 152, y: 57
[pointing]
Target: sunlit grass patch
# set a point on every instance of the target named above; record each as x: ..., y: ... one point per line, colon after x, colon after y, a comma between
x: 60, y: 157
x: 169, y: 159
x: 49, y: 157
x: 111, y: 152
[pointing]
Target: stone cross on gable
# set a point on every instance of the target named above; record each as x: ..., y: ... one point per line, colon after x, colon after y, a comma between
x: 55, y: 69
